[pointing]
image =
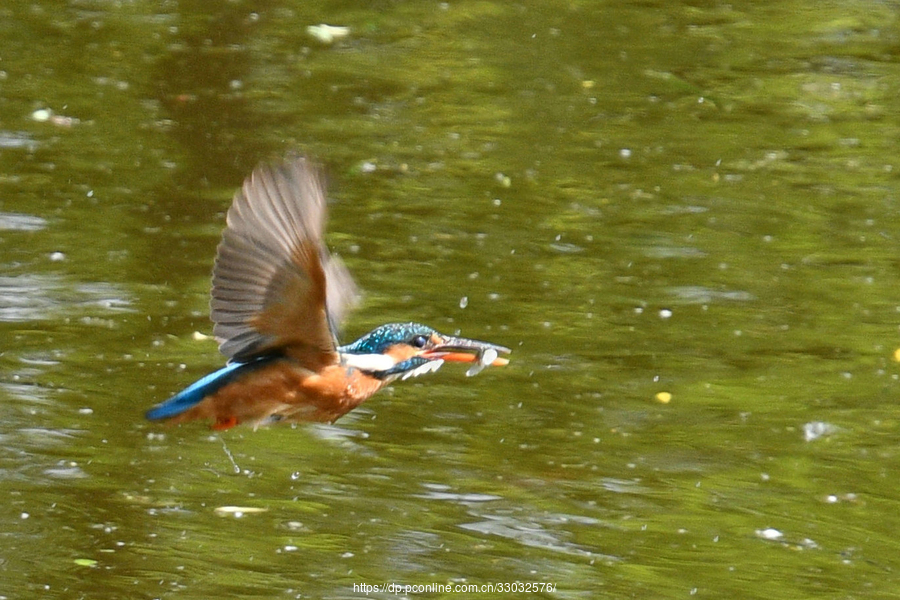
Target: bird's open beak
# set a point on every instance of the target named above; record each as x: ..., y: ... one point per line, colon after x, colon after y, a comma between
x: 454, y: 349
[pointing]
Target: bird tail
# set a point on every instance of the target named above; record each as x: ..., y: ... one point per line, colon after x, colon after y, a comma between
x: 197, y: 391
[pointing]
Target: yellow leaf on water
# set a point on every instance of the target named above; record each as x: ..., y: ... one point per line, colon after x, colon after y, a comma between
x: 85, y: 562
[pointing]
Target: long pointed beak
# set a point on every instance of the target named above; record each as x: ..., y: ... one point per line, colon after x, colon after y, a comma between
x: 456, y: 349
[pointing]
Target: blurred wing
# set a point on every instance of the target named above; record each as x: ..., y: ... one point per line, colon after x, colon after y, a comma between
x: 274, y: 284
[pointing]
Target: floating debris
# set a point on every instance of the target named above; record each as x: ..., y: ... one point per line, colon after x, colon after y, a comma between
x: 238, y: 511
x: 503, y: 180
x: 663, y: 397
x: 45, y: 115
x: 327, y: 34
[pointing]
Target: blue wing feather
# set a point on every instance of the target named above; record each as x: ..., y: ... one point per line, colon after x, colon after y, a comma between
x: 200, y: 389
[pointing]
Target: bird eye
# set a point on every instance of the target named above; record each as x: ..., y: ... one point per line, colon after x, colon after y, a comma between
x: 419, y: 341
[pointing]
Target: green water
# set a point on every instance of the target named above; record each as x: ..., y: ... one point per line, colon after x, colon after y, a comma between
x: 698, y: 199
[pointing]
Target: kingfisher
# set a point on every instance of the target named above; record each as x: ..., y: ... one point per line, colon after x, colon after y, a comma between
x: 277, y: 298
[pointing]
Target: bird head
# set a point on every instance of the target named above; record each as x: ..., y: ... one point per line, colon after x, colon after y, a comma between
x: 403, y: 350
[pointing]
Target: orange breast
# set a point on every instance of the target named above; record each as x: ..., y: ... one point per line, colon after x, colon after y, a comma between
x: 285, y: 391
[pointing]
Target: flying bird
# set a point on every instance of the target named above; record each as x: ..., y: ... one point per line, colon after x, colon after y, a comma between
x: 277, y: 298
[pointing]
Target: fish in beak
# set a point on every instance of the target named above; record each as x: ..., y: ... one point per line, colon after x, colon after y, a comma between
x: 456, y: 349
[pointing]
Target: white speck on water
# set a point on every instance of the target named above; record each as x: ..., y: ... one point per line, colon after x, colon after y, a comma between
x: 625, y: 153
x: 817, y: 429
x: 665, y: 313
x: 57, y: 256
x: 464, y: 302
x: 769, y: 533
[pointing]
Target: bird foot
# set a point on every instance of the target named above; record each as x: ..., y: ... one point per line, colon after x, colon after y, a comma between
x: 223, y: 423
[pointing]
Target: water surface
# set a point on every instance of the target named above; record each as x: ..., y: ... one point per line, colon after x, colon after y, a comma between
x: 683, y: 218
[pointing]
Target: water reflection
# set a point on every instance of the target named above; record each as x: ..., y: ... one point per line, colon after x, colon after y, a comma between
x: 17, y: 140
x: 538, y: 531
x: 34, y: 297
x: 695, y: 294
x: 21, y: 222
